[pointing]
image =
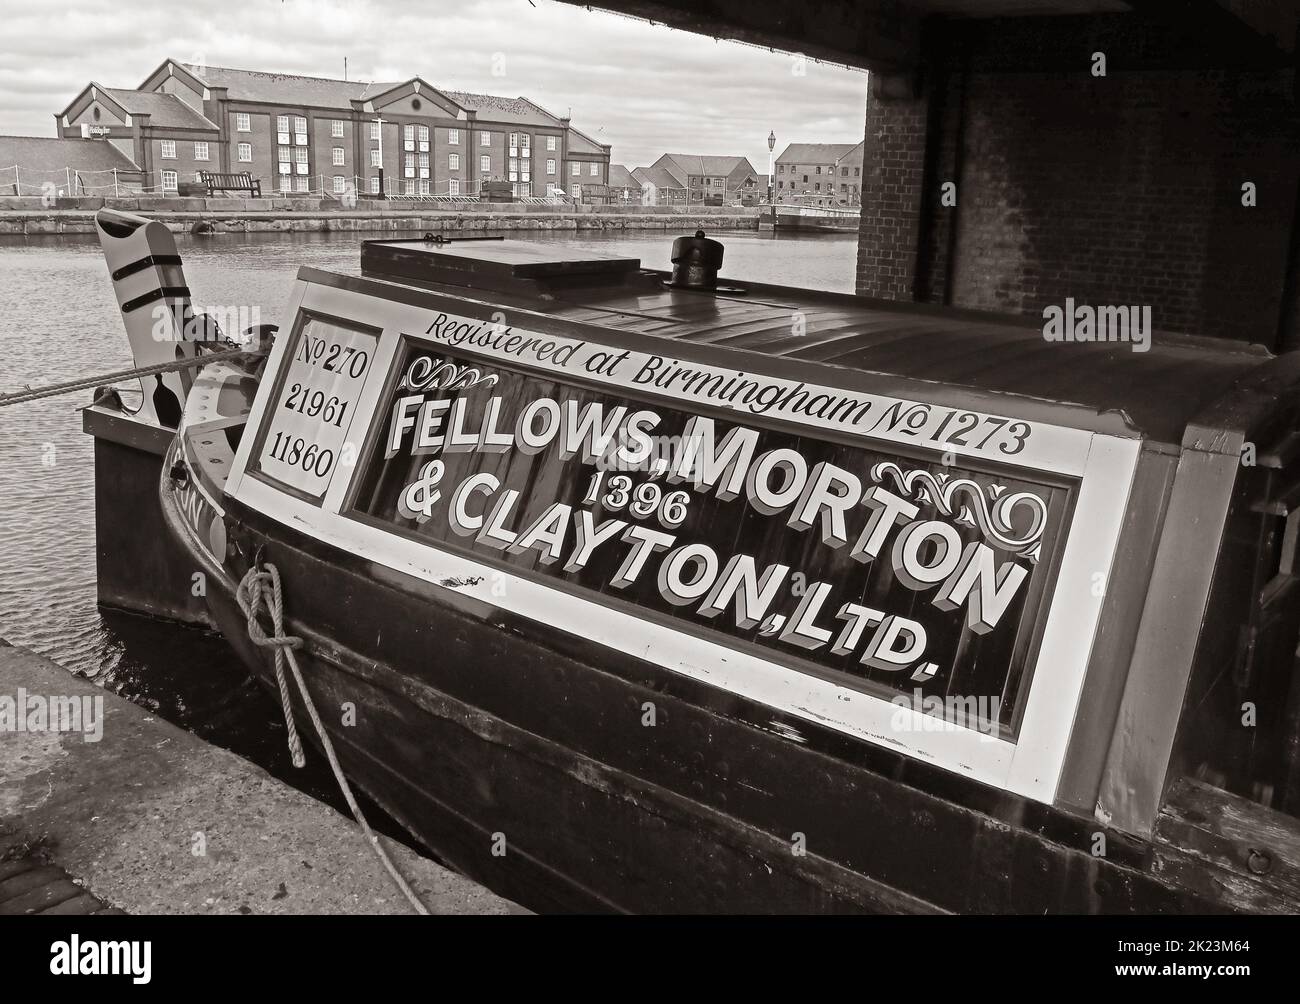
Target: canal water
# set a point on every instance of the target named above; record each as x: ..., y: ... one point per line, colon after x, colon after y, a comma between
x: 59, y: 321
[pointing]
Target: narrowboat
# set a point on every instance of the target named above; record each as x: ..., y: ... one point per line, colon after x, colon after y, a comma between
x: 640, y: 591
x: 786, y: 217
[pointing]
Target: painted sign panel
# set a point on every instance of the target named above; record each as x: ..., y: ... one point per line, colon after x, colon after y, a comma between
x: 303, y: 442
x: 872, y: 563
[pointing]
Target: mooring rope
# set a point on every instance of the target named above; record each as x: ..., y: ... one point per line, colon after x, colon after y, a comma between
x: 252, y: 598
x: 88, y: 383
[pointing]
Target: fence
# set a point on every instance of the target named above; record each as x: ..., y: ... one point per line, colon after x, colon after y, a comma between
x: 70, y: 181
x: 19, y: 180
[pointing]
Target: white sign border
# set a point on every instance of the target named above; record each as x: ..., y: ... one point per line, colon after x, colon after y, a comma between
x: 1029, y: 767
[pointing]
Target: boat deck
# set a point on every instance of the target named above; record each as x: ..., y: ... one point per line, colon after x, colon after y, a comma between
x: 935, y: 349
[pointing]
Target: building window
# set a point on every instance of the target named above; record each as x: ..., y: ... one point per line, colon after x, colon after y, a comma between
x: 817, y: 186
x: 857, y: 171
x: 453, y: 162
x: 339, y: 183
x: 819, y: 169
x: 286, y: 183
x: 576, y: 170
x: 408, y: 188
x: 300, y: 130
x: 594, y: 171
x: 550, y: 167
x: 169, y: 181
x: 844, y: 172
x: 424, y: 186
x: 424, y: 138
x: 242, y: 123
x: 424, y: 168
x: 302, y: 184
x: 200, y: 151
x: 453, y: 137
x: 453, y: 186
x: 374, y: 132
x: 374, y: 159
x: 485, y: 164
x: 338, y: 160
x: 485, y: 139
x: 527, y: 175
x: 408, y: 138
x: 300, y: 155
x: 245, y: 153
x: 523, y: 145
x: 282, y: 128
x: 336, y: 128
x: 168, y: 151
x: 408, y: 167
x: 780, y: 169
x: 374, y: 185
x: 550, y: 143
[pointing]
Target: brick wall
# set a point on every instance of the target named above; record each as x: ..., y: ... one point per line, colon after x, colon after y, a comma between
x: 893, y: 165
x: 1124, y: 189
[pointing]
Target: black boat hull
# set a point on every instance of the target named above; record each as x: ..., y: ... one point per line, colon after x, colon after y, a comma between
x: 524, y: 757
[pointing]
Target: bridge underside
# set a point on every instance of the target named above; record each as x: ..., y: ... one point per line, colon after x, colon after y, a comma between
x: 1165, y: 173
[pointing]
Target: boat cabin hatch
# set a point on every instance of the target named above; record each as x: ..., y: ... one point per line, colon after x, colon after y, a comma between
x: 928, y: 531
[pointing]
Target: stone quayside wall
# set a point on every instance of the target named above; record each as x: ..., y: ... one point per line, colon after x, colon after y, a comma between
x: 76, y: 216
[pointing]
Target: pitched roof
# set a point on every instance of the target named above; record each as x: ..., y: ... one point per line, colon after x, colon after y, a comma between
x: 520, y: 111
x: 621, y: 177
x: 703, y: 165
x: 49, y: 155
x: 162, y: 109
x: 658, y: 177
x: 288, y: 88
x: 329, y: 92
x: 815, y: 153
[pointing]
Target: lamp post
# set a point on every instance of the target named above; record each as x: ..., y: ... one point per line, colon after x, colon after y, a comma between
x: 771, y: 146
x: 383, y: 193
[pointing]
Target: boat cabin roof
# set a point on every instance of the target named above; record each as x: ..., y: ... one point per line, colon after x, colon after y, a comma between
x: 1155, y: 392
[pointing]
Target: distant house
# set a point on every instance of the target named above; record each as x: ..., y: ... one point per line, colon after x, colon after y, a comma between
x: 622, y: 186
x: 820, y: 174
x: 659, y: 187
x: 37, y: 165
x: 710, y: 178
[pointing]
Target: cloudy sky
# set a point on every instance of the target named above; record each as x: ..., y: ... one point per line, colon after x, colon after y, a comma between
x: 644, y: 89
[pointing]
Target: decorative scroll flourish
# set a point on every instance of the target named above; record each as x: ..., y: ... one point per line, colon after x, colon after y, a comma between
x: 446, y: 375
x: 991, y: 513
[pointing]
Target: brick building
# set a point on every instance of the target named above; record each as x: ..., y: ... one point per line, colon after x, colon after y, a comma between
x: 825, y: 174
x: 301, y: 134
x: 704, y: 178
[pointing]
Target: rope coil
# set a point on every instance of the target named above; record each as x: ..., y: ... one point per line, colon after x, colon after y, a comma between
x: 260, y: 592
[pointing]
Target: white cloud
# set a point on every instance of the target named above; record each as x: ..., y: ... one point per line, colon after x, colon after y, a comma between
x: 644, y: 89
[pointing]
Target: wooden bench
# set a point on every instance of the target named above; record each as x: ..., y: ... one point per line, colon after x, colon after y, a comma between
x: 234, y: 181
